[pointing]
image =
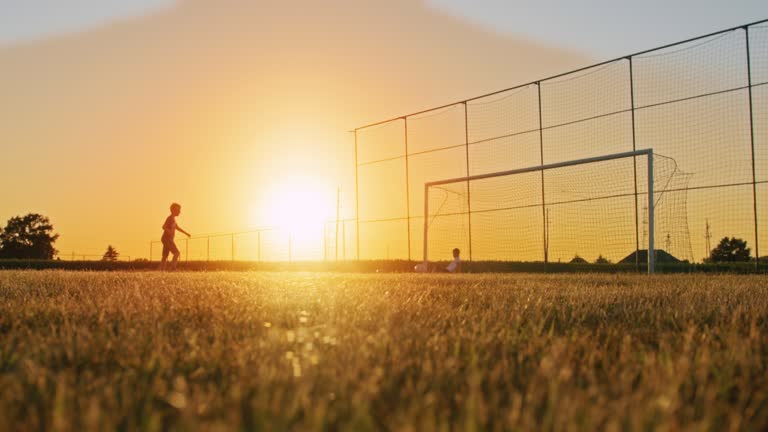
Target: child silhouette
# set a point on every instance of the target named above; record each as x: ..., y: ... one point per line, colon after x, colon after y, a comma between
x: 169, y: 232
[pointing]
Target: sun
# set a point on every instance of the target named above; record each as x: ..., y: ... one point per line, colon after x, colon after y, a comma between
x: 300, y: 205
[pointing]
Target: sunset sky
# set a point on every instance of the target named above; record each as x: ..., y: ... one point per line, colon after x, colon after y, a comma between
x: 114, y: 109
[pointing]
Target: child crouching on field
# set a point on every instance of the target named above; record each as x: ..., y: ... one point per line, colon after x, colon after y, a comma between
x: 453, y: 267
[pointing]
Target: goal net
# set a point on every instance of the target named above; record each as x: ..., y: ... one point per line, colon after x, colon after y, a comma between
x: 607, y: 209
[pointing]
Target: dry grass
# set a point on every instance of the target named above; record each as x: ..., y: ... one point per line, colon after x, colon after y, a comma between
x: 222, y: 351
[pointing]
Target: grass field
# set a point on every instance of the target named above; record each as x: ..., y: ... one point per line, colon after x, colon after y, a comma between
x: 387, y: 266
x: 272, y: 351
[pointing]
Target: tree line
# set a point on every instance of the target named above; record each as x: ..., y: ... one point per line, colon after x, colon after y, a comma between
x: 31, y: 237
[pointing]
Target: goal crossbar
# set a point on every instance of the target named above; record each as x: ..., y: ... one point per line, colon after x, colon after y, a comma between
x: 648, y: 153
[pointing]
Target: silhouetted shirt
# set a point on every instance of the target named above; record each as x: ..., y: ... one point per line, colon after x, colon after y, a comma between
x: 454, y: 265
x: 169, y: 228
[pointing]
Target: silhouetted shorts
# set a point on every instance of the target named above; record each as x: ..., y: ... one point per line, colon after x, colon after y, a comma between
x: 169, y: 246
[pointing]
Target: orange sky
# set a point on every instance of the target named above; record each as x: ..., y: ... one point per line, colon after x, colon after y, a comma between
x: 211, y: 105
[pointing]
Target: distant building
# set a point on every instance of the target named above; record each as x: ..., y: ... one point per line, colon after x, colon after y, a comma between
x: 662, y: 256
x: 577, y: 260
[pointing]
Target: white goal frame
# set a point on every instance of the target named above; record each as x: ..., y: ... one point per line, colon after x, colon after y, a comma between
x: 648, y: 153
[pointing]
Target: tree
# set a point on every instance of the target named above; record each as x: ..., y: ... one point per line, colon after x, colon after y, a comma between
x: 602, y: 260
x: 578, y: 260
x: 111, y: 254
x: 730, y: 250
x: 28, y: 237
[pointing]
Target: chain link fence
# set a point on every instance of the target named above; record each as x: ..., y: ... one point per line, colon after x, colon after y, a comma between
x: 334, y: 241
x: 702, y: 103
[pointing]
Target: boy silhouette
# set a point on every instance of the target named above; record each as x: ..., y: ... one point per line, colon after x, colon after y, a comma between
x: 169, y: 232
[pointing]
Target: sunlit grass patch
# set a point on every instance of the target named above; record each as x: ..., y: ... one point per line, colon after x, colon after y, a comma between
x: 153, y: 351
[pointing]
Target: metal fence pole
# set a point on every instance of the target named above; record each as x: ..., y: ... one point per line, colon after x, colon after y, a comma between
x: 634, y: 161
x: 469, y: 192
x: 407, y: 190
x: 426, y: 225
x: 651, y: 217
x: 752, y: 144
x: 543, y: 197
x: 357, y: 200
x: 325, y: 244
x: 338, y: 212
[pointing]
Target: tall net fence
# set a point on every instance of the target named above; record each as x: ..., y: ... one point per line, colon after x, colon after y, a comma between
x: 702, y: 103
x: 339, y: 240
x: 333, y: 241
x: 264, y: 245
x: 591, y: 213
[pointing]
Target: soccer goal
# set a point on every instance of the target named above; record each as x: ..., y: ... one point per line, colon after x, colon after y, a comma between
x: 601, y: 209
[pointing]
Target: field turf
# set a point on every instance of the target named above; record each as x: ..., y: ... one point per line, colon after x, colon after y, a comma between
x: 340, y: 351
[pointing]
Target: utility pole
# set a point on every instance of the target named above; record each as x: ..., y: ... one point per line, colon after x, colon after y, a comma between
x: 708, y: 239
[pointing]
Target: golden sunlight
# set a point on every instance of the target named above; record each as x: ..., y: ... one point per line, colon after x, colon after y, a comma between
x: 300, y: 205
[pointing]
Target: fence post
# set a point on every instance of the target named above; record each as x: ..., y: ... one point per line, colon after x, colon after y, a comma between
x: 357, y: 201
x: 752, y: 144
x: 426, y: 224
x: 634, y: 161
x: 651, y: 217
x: 407, y: 190
x: 469, y: 192
x: 338, y: 211
x: 543, y: 197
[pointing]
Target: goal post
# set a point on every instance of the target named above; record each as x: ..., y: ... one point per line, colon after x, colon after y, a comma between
x: 459, y: 188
